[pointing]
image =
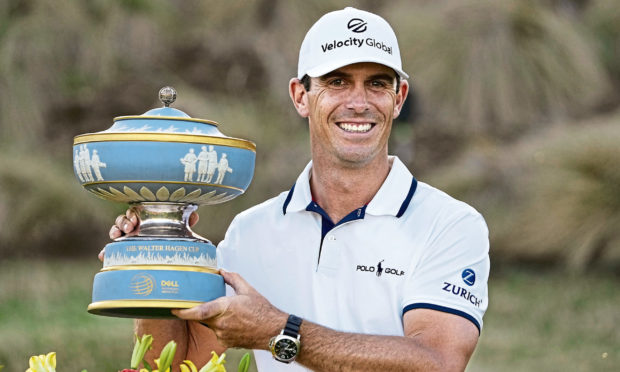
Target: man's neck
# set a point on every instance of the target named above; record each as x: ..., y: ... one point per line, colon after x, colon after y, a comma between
x: 340, y: 190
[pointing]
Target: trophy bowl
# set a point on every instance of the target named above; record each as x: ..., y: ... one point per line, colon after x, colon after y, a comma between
x: 164, y: 164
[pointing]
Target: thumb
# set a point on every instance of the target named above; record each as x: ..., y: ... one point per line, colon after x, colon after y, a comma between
x: 237, y: 282
x: 203, y: 311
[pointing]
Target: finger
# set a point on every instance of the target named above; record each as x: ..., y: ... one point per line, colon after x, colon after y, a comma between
x: 127, y: 226
x: 101, y: 255
x: 237, y: 282
x: 119, y: 220
x: 115, y: 232
x: 203, y: 311
x: 132, y: 216
x: 193, y: 219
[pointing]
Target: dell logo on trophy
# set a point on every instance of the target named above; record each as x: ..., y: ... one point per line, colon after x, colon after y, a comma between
x: 165, y: 164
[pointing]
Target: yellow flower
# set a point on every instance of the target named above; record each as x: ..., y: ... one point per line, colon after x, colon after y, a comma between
x: 188, y: 366
x: 42, y: 363
x: 215, y: 364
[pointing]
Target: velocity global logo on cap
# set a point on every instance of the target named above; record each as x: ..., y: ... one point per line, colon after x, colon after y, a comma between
x: 357, y: 25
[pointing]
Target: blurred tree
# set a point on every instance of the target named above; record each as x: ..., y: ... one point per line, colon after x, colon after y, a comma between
x: 603, y: 19
x: 495, y: 69
x: 552, y: 198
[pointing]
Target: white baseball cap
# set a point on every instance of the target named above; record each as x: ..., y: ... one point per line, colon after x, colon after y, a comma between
x: 348, y: 36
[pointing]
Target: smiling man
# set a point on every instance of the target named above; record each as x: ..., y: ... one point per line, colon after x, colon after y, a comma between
x: 358, y: 267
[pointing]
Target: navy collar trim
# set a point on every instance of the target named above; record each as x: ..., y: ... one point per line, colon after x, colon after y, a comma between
x: 288, y: 199
x: 401, y: 211
x: 412, y: 188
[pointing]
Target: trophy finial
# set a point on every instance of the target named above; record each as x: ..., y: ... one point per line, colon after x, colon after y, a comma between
x: 167, y: 95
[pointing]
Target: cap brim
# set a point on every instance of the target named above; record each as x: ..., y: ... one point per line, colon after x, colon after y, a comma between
x: 329, y: 67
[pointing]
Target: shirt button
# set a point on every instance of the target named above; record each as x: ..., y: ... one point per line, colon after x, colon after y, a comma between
x: 331, y: 238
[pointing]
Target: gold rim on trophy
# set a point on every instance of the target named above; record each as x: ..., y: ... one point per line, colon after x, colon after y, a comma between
x: 166, y: 137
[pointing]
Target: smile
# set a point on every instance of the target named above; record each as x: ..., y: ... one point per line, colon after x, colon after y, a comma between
x: 355, y: 128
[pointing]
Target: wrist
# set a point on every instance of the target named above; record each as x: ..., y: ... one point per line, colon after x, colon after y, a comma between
x: 286, y: 345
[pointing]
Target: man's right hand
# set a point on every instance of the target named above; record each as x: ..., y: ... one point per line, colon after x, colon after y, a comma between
x: 129, y: 224
x: 125, y: 224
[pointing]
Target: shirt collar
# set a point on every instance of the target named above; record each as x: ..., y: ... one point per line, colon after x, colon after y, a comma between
x: 393, y: 197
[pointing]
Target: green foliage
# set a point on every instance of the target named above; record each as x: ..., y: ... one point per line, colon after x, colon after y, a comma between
x: 603, y: 19
x: 498, y: 68
x: 43, y: 208
x: 541, y: 320
x: 554, y: 198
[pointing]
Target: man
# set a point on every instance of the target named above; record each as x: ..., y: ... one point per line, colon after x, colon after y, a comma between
x: 312, y: 251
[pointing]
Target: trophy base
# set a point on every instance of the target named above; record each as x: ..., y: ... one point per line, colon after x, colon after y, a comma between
x: 151, y: 291
x: 142, y: 309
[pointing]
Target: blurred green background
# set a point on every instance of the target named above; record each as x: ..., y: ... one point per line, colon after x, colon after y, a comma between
x: 514, y: 109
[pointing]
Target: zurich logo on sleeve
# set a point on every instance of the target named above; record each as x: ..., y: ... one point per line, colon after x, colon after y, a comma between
x: 469, y: 277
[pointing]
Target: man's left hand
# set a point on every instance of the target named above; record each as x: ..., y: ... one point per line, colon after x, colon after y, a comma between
x: 245, y: 320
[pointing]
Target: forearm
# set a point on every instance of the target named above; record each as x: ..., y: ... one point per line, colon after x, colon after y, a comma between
x: 164, y: 330
x: 194, y: 340
x: 327, y: 350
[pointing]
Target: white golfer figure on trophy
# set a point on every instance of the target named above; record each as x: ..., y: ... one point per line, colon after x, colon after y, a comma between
x: 85, y: 163
x: 96, y: 163
x: 189, y: 160
x: 211, y: 164
x: 222, y: 169
x: 76, y: 165
x: 203, y: 161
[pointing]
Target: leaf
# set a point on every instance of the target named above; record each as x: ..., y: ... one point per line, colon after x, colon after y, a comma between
x: 148, y: 194
x: 244, y: 363
x: 163, y: 194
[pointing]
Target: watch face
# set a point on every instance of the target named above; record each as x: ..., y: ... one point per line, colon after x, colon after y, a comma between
x: 285, y: 349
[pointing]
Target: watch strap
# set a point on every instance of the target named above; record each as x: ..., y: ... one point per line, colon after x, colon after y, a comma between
x: 292, y: 326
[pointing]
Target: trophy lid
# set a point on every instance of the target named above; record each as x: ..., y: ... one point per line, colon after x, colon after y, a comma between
x: 165, y: 119
x: 165, y: 123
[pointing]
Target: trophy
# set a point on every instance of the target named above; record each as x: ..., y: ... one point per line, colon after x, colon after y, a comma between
x: 165, y: 164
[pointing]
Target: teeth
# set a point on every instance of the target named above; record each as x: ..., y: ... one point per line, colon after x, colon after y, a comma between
x: 356, y: 128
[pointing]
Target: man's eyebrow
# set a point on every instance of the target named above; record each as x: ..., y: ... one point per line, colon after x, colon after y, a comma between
x: 341, y: 74
x: 382, y: 76
x: 332, y: 74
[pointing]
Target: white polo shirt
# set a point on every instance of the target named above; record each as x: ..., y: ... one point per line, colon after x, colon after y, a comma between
x: 412, y: 246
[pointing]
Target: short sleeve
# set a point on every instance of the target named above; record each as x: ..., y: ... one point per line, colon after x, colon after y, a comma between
x: 452, y: 273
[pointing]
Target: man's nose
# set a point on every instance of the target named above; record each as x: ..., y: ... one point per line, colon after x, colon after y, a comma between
x: 358, y: 98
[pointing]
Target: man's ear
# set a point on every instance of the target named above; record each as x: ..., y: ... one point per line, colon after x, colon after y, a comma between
x: 401, y: 96
x: 299, y: 95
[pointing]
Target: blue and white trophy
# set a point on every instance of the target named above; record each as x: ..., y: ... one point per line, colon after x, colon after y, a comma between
x: 164, y: 164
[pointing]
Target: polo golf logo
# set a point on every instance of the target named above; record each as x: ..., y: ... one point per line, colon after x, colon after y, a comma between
x: 357, y: 25
x: 378, y: 270
x: 469, y: 277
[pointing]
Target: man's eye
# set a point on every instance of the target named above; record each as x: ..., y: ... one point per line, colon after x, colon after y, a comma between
x: 378, y: 83
x: 336, y: 82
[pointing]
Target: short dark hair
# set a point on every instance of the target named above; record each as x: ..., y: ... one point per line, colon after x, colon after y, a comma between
x: 306, y: 82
